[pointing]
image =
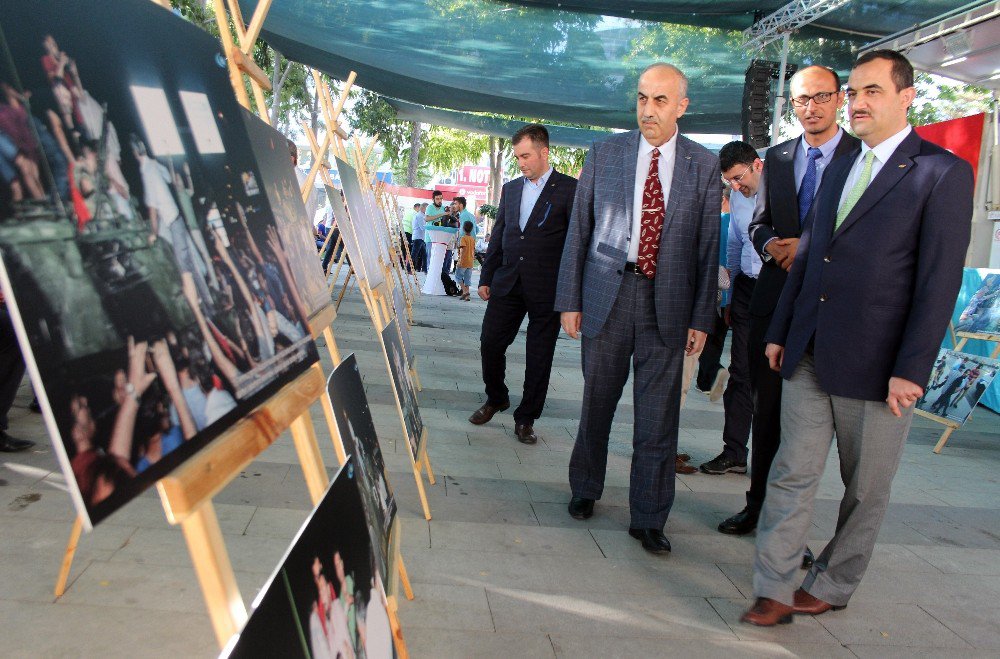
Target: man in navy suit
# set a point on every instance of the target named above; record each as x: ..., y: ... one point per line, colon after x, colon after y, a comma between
x: 639, y: 278
x: 855, y: 333
x: 519, y: 277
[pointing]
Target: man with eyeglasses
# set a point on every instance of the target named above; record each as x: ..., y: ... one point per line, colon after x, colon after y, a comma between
x: 741, y: 171
x: 792, y: 174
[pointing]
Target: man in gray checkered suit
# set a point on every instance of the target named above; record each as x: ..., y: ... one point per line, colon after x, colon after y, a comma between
x: 638, y: 280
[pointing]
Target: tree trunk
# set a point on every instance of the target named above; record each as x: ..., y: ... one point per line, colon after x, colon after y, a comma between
x: 497, y: 148
x: 411, y: 169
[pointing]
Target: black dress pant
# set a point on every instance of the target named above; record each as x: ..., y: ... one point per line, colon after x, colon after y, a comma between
x: 501, y: 323
x: 765, y: 386
x: 710, y: 360
x: 737, y: 401
x: 11, y: 365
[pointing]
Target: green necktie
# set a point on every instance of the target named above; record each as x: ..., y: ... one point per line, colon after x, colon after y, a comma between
x: 857, y: 190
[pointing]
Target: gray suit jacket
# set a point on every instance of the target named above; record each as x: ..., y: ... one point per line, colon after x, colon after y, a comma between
x: 687, y: 269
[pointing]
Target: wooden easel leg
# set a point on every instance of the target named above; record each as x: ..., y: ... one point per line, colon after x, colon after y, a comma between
x: 340, y: 298
x: 416, y: 378
x: 961, y: 343
x: 331, y: 345
x: 397, y: 631
x: 215, y: 572
x: 944, y: 439
x: 420, y: 490
x: 331, y: 422
x: 67, y: 562
x: 427, y: 464
x: 404, y: 578
x: 306, y: 445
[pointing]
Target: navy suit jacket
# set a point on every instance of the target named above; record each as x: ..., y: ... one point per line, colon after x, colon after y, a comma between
x: 687, y: 267
x: 777, y: 216
x: 532, y: 254
x: 877, y: 295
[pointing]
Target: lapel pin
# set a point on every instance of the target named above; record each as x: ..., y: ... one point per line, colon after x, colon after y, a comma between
x: 784, y: 153
x: 902, y: 166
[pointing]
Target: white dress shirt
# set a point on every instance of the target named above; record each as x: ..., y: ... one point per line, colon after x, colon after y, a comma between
x: 668, y: 153
x: 883, y: 152
x: 530, y: 194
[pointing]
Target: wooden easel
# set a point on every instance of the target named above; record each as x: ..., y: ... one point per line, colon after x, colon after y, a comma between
x: 379, y: 311
x: 952, y: 426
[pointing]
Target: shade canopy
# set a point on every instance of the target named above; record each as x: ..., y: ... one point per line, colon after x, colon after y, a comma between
x: 570, y: 62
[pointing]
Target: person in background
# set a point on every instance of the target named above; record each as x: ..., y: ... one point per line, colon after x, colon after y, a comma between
x: 419, y: 251
x: 466, y: 251
x: 712, y: 375
x: 11, y: 372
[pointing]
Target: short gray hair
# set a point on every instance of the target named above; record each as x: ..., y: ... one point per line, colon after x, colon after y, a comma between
x: 674, y: 69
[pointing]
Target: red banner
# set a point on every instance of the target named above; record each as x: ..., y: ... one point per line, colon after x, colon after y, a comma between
x: 963, y: 137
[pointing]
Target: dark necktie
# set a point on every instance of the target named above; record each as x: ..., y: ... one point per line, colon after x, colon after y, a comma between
x: 807, y: 191
x: 652, y: 218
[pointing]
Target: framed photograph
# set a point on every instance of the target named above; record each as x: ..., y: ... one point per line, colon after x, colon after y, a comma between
x: 958, y: 381
x: 149, y: 288
x: 363, y: 220
x: 404, y: 327
x: 295, y: 228
x: 981, y: 317
x: 357, y: 430
x: 327, y: 597
x: 372, y: 273
x: 402, y: 387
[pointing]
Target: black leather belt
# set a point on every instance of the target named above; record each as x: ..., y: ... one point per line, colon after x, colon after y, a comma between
x: 634, y: 269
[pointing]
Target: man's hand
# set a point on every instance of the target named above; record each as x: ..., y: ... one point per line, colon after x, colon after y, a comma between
x: 696, y: 342
x: 902, y: 393
x: 484, y: 292
x: 571, y: 323
x: 775, y: 355
x: 783, y: 251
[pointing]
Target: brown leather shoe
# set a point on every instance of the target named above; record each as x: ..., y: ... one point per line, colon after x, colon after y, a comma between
x: 525, y: 433
x: 684, y: 457
x: 767, y: 613
x: 813, y: 606
x: 682, y: 467
x: 486, y: 412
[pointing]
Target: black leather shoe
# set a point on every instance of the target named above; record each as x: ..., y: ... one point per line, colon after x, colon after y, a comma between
x: 525, y: 433
x: 34, y: 406
x: 808, y: 559
x: 580, y: 508
x: 10, y: 444
x: 741, y: 523
x: 486, y: 412
x: 652, y: 540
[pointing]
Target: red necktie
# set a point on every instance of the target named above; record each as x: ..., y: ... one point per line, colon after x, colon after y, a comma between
x: 652, y: 219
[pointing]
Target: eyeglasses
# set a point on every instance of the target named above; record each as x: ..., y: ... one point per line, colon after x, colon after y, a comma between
x: 820, y: 98
x: 737, y: 179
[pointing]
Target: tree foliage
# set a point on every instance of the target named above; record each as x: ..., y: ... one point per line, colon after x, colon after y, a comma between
x: 940, y: 100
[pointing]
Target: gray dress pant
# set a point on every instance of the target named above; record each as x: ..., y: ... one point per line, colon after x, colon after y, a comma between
x: 870, y: 443
x: 631, y: 334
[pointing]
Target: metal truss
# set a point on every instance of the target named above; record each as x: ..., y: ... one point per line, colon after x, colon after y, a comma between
x: 787, y: 19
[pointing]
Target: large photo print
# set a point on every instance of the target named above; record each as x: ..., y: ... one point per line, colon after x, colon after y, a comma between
x: 151, y: 287
x: 327, y: 599
x: 982, y: 315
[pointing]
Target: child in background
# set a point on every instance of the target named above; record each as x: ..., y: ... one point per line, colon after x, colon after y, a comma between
x: 466, y: 252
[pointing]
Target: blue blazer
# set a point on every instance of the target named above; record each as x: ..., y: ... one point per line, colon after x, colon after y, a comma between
x: 687, y: 268
x: 533, y: 254
x: 877, y: 295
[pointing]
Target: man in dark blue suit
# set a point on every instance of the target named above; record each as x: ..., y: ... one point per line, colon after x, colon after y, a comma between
x: 519, y: 277
x: 855, y: 333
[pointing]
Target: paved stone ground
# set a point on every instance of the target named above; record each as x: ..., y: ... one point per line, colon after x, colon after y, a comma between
x: 502, y: 570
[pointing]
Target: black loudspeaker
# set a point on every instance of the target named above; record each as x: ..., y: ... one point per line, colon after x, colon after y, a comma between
x: 757, y: 101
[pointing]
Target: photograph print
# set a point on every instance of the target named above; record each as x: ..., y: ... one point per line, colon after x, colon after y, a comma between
x: 345, y: 224
x: 327, y: 599
x: 147, y: 280
x: 402, y: 386
x: 357, y: 431
x: 404, y: 327
x: 982, y: 315
x: 958, y: 381
x: 285, y: 199
x: 363, y: 220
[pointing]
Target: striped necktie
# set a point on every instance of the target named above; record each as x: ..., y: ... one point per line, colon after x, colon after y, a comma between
x: 859, y: 189
x: 807, y: 190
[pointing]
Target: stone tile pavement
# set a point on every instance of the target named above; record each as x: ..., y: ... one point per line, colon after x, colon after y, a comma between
x: 502, y: 570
